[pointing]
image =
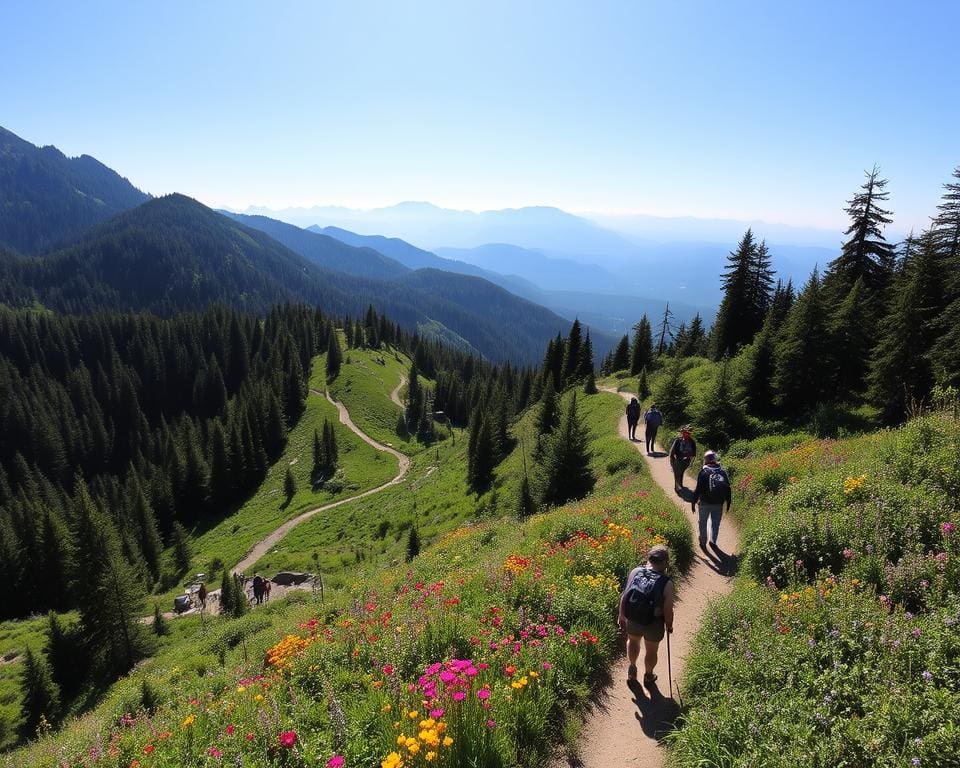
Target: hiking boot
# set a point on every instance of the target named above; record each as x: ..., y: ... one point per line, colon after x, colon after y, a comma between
x: 632, y: 672
x: 649, y: 678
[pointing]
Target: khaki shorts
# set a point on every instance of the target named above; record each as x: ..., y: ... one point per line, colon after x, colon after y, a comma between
x: 651, y: 632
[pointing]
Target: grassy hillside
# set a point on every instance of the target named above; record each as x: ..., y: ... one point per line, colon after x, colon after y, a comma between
x: 488, y: 572
x: 839, y: 645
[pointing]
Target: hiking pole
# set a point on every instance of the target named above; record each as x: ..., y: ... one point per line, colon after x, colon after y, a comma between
x: 670, y: 670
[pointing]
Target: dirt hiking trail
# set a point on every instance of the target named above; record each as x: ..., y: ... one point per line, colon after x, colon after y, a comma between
x: 626, y: 722
x: 264, y: 545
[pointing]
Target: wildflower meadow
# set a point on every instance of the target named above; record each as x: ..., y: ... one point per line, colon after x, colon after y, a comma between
x: 481, y: 652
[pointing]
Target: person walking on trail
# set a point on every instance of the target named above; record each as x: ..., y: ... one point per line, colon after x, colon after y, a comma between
x: 646, y: 611
x: 682, y: 451
x: 202, y: 594
x: 633, y: 418
x: 653, y: 418
x: 258, y: 589
x: 712, y: 492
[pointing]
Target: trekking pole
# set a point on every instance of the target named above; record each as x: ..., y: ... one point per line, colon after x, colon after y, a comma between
x: 670, y: 667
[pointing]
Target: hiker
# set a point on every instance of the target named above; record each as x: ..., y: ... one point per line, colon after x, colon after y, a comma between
x: 202, y: 594
x: 258, y: 589
x: 633, y: 418
x: 712, y: 491
x: 682, y: 451
x: 646, y: 611
x: 653, y: 418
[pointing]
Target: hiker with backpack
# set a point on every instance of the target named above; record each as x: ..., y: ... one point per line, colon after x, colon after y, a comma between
x: 682, y: 451
x: 633, y: 418
x: 712, y: 492
x: 653, y: 418
x: 646, y: 611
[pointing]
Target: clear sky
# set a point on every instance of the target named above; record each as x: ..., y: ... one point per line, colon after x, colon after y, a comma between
x: 718, y: 108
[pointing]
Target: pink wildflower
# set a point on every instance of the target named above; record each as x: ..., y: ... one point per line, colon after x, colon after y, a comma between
x: 288, y: 739
x: 335, y: 762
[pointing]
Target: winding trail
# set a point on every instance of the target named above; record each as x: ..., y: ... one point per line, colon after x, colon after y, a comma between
x: 395, y: 395
x: 626, y: 723
x: 264, y: 545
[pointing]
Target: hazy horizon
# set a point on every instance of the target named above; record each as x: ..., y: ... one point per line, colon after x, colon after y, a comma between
x: 732, y: 111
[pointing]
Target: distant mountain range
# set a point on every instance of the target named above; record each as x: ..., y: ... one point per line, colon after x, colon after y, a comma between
x: 47, y: 199
x: 657, y: 259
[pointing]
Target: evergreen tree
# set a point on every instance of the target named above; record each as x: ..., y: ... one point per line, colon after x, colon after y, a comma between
x: 566, y: 473
x: 586, y: 368
x: 783, y: 298
x: 481, y: 460
x: 900, y: 370
x: 758, y: 369
x: 414, y: 399
x: 525, y: 504
x: 590, y: 387
x: 721, y: 419
x: 109, y: 595
x: 318, y: 473
x: 697, y: 337
x: 65, y: 658
x: 40, y: 697
x: 851, y: 340
x: 643, y: 388
x: 621, y: 355
x: 945, y: 232
x: 334, y: 357
x: 289, y: 485
x: 673, y: 395
x: 571, y: 354
x: 802, y: 367
x: 747, y: 282
x: 548, y: 417
x: 641, y: 353
x: 182, y: 548
x: 865, y: 255
x: 330, y: 450
x: 413, y: 543
x: 159, y: 625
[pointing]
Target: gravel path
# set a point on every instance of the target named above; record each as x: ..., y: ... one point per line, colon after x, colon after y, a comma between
x: 626, y: 723
x: 266, y: 544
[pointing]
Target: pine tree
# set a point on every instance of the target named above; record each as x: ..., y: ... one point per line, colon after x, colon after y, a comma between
x: 289, y: 485
x: 548, y: 417
x: 414, y: 399
x: 697, y: 337
x: 865, y: 255
x: 159, y: 625
x: 318, y: 473
x: 900, y: 370
x: 643, y: 388
x: 182, y: 548
x: 571, y: 354
x: 621, y: 356
x: 641, y: 353
x: 590, y: 386
x: 585, y: 368
x: 109, y: 595
x: 334, y: 357
x: 673, y: 395
x: 481, y: 460
x: 413, y: 543
x: 747, y: 282
x: 945, y: 232
x: 40, y: 697
x: 758, y: 369
x: 802, y: 363
x: 851, y: 341
x: 65, y: 658
x: 565, y: 471
x: 525, y: 504
x: 721, y: 419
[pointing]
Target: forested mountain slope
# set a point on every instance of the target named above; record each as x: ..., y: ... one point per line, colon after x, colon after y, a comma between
x: 47, y: 199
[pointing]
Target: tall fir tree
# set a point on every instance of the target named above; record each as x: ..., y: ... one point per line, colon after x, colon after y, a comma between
x: 621, y: 355
x: 39, y: 695
x: 803, y: 370
x: 901, y: 371
x: 721, y: 418
x: 571, y: 354
x: 673, y: 395
x: 334, y: 357
x: 565, y: 470
x: 641, y: 352
x: 851, y: 341
x: 865, y: 254
x: 747, y: 282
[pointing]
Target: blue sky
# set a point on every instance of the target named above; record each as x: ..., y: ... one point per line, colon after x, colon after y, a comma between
x: 749, y: 110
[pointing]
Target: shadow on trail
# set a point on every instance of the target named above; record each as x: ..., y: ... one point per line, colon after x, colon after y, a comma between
x: 718, y: 561
x: 655, y: 712
x: 686, y: 494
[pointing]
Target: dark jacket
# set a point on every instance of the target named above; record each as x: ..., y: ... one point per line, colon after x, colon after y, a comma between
x: 702, y: 491
x: 633, y: 411
x: 653, y: 417
x: 675, y: 450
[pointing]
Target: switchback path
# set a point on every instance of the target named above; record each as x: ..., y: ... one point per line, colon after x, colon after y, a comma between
x: 626, y: 723
x: 395, y: 395
x: 264, y: 545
